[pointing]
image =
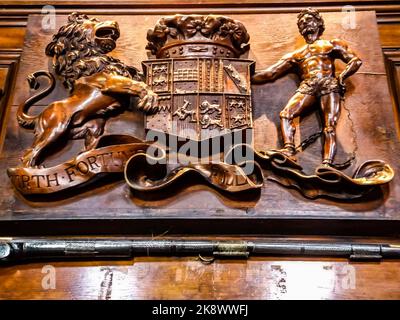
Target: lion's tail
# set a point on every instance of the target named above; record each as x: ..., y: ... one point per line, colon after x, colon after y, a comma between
x: 25, y: 120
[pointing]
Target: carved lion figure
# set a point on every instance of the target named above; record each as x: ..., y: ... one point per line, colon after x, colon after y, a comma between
x: 98, y: 84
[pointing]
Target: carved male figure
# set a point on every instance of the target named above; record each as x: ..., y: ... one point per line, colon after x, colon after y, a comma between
x: 315, y: 63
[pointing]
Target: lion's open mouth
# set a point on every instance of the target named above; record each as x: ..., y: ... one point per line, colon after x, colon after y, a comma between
x: 107, y: 33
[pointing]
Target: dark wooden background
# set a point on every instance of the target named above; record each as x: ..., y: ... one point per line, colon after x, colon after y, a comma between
x: 186, y: 277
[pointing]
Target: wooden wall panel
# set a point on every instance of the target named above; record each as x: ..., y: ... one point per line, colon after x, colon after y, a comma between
x: 393, y: 70
x: 13, y: 24
x: 11, y: 38
x: 8, y: 68
x: 368, y: 85
x: 186, y: 278
x: 12, y: 27
x: 390, y: 34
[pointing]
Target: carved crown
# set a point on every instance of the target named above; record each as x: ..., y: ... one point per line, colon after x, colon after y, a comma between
x: 198, y: 35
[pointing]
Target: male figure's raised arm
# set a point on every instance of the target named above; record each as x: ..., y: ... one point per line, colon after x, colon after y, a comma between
x: 348, y: 56
x: 275, y: 71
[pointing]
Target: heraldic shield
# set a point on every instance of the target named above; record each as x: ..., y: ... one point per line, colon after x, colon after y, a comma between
x: 203, y: 85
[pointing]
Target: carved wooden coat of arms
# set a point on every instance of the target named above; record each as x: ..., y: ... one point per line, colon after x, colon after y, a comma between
x: 196, y: 87
x: 203, y: 85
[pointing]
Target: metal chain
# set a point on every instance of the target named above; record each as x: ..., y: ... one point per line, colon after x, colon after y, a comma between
x: 308, y: 141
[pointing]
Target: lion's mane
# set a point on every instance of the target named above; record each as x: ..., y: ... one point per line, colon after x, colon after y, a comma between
x: 76, y: 55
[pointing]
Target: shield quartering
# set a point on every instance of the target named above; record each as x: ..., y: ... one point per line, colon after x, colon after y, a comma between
x: 203, y: 85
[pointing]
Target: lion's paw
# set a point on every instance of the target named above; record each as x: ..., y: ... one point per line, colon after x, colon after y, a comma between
x: 149, y: 103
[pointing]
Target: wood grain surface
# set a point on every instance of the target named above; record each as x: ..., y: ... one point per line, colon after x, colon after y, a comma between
x: 155, y: 278
x: 368, y: 102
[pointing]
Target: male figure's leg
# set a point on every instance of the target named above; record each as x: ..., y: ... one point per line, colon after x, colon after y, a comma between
x: 330, y: 106
x: 296, y: 106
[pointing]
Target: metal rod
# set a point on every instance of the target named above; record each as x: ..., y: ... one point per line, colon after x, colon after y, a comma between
x: 18, y: 250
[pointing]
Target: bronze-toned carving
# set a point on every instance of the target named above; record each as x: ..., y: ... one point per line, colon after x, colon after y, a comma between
x: 315, y: 63
x: 96, y: 82
x: 109, y: 157
x: 197, y: 87
x: 198, y: 67
x: 140, y: 176
x: 326, y: 181
x: 197, y: 35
